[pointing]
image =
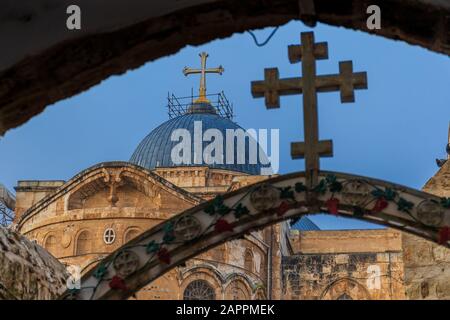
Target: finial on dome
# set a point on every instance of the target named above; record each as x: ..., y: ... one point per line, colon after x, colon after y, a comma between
x: 203, y: 71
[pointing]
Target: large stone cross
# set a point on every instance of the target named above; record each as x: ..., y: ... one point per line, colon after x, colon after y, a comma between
x: 202, y: 71
x: 309, y: 84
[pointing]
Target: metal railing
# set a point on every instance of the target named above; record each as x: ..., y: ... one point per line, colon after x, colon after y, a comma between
x: 7, y: 205
x: 178, y: 106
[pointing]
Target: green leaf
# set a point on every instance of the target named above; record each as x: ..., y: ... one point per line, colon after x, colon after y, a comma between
x: 378, y: 193
x: 223, y: 210
x: 218, y: 201
x: 240, y: 210
x: 210, y: 209
x: 217, y: 206
x: 168, y: 227
x: 169, y: 237
x: 300, y: 187
x: 152, y: 247
x: 404, y: 205
x: 100, y: 271
x: 445, y: 202
x: 331, y: 178
x: 321, y: 187
x: 286, y: 193
x: 336, y: 186
x: 389, y: 194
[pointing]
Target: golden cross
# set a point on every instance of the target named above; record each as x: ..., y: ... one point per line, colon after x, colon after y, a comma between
x: 203, y: 71
x: 309, y: 84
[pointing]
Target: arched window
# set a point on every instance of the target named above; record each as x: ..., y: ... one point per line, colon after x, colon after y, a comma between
x: 84, y: 243
x: 236, y: 290
x: 260, y: 295
x: 50, y: 244
x: 199, y: 290
x: 248, y: 260
x: 345, y: 289
x: 131, y: 234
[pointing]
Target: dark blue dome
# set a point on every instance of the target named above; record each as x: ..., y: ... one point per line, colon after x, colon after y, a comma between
x: 155, y: 149
x: 305, y: 224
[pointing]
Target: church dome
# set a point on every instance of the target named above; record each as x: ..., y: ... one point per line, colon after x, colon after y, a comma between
x: 156, y: 148
x: 305, y: 224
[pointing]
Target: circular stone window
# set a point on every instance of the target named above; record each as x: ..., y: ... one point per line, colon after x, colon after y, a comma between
x: 109, y: 236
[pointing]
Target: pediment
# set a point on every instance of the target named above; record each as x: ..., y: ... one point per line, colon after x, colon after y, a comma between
x: 114, y: 185
x: 128, y: 191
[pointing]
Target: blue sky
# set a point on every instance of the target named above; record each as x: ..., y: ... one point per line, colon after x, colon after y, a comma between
x: 393, y: 131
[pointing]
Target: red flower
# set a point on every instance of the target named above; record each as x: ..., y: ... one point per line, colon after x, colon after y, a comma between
x: 282, y: 208
x: 117, y: 283
x: 444, y: 235
x: 222, y: 225
x: 332, y: 205
x: 380, y: 205
x: 164, y: 255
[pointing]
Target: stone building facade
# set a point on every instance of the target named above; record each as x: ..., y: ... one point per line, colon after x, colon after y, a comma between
x: 356, y: 264
x: 103, y: 207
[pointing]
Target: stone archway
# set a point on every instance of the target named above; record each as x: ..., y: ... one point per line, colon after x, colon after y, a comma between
x: 39, y: 73
x: 237, y: 289
x: 201, y: 281
x: 286, y: 197
x: 345, y: 289
x: 239, y: 286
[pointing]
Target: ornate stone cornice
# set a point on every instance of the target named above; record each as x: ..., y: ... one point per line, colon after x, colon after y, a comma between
x: 108, y: 172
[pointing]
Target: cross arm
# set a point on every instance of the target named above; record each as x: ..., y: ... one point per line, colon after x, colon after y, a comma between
x: 218, y: 70
x: 345, y: 82
x: 323, y: 148
x: 296, y: 52
x: 272, y: 87
x: 187, y: 71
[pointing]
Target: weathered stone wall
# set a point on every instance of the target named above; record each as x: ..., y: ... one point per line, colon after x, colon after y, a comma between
x: 439, y: 184
x: 427, y: 269
x: 427, y: 265
x: 30, y: 192
x: 202, y: 181
x: 275, y: 235
x: 338, y: 241
x: 333, y: 265
x: 27, y: 271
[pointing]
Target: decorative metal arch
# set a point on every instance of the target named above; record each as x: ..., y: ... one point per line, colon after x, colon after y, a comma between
x: 171, y: 243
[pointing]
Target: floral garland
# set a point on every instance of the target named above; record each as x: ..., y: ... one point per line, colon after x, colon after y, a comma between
x: 382, y: 198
